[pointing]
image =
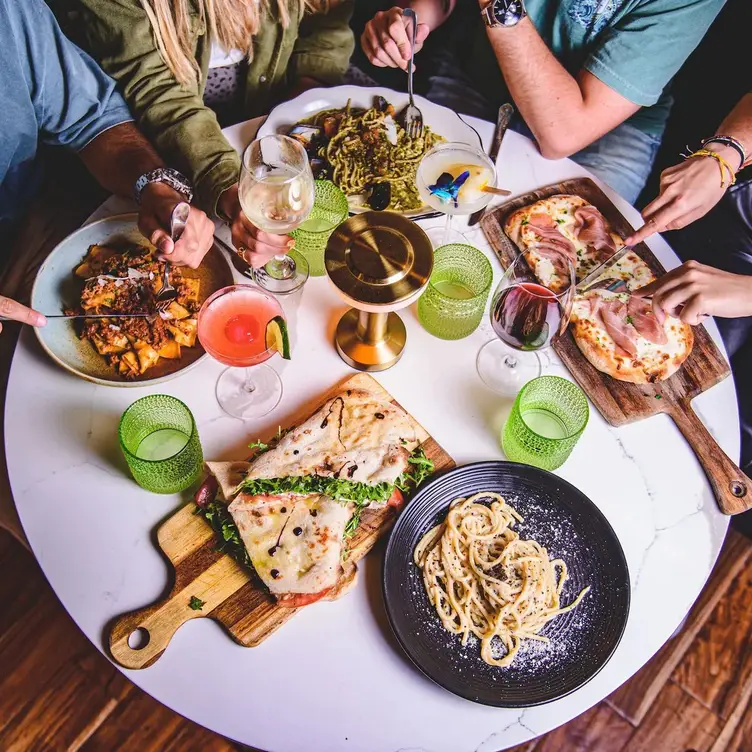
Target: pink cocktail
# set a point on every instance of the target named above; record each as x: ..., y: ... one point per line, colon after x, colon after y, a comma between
x: 232, y: 327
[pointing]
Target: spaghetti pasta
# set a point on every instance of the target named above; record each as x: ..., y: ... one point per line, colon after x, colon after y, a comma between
x: 367, y: 147
x: 484, y: 580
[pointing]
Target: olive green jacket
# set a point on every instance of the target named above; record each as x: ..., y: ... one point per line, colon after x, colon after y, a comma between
x: 186, y: 132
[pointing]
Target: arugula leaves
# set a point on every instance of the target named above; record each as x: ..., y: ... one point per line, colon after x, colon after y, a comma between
x: 419, y: 468
x: 196, y: 603
x: 259, y: 447
x: 336, y: 488
x: 221, y: 521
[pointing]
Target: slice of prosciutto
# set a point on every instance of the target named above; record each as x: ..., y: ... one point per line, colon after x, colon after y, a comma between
x: 640, y: 311
x: 549, y: 237
x: 613, y: 313
x: 590, y: 228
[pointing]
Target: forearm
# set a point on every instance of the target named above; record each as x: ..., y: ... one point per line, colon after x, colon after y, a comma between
x: 118, y: 157
x: 433, y: 13
x: 563, y: 114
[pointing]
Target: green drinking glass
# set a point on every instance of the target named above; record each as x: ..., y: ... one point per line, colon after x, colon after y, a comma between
x: 453, y: 303
x: 159, y: 439
x: 330, y: 209
x: 547, y: 419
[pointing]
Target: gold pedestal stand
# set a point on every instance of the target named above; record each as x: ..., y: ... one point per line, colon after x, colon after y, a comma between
x: 379, y: 262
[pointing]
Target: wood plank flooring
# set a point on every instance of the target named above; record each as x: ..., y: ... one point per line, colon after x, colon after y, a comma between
x: 58, y: 693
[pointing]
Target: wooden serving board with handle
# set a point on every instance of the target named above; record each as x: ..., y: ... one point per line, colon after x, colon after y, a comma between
x: 621, y: 402
x: 231, y: 594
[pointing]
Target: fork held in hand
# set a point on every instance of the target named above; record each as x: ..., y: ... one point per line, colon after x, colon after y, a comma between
x: 178, y: 220
x: 413, y: 118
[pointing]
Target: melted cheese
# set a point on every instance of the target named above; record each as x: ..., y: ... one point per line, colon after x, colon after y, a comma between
x: 295, y: 542
x: 632, y: 269
x: 355, y: 436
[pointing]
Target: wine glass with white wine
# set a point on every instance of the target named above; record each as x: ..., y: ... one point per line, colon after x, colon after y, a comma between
x: 276, y: 192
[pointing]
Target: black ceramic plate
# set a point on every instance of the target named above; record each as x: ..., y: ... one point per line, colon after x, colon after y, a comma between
x: 570, y: 526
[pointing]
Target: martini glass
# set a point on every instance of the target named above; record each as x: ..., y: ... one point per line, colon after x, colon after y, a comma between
x: 232, y: 327
x: 276, y: 191
x: 526, y: 317
x: 444, y: 163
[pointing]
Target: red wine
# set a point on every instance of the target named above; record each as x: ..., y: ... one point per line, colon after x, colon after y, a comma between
x: 526, y: 316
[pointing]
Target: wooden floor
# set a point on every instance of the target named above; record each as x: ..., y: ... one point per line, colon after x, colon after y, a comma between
x: 58, y: 693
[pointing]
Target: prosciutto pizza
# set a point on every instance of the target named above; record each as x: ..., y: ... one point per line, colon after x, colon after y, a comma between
x: 624, y: 337
x: 293, y: 505
x: 558, y: 227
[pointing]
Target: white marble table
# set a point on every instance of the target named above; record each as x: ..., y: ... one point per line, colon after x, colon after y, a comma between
x: 333, y: 678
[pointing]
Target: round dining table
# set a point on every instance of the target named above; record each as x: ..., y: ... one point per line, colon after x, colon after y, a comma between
x: 334, y: 678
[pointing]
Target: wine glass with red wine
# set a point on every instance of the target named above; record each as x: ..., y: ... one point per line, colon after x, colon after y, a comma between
x: 526, y: 317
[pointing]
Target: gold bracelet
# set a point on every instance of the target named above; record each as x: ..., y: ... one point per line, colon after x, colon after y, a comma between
x: 722, y: 163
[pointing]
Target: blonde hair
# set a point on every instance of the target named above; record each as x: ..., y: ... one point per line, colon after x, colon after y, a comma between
x: 231, y: 23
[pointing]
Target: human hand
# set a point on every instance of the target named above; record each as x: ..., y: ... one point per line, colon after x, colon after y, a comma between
x: 157, y: 202
x: 693, y: 291
x: 688, y: 191
x: 386, y: 40
x: 11, y: 309
x: 254, y: 246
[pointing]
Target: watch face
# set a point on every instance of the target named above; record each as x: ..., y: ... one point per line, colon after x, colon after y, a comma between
x: 508, y: 12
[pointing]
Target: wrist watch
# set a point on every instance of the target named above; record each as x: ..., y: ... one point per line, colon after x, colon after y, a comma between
x: 503, y: 13
x: 167, y: 175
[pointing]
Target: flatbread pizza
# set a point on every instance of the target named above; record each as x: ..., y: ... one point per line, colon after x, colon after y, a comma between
x: 293, y: 506
x: 622, y: 336
x: 562, y: 226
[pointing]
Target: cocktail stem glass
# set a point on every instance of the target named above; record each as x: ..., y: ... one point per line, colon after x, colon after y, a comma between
x: 281, y: 266
x: 447, y: 230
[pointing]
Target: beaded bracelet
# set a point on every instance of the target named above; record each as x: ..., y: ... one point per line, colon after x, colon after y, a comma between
x: 722, y: 163
x: 734, y: 143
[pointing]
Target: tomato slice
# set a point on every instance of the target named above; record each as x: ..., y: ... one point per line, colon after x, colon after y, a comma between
x: 396, y: 500
x: 296, y: 600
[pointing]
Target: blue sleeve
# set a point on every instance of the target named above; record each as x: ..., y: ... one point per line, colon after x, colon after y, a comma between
x: 640, y: 54
x: 74, y: 99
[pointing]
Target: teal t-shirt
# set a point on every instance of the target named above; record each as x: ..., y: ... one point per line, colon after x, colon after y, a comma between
x: 634, y: 46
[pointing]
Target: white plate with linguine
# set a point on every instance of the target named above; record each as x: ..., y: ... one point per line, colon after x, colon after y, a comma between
x: 366, y: 144
x: 506, y: 585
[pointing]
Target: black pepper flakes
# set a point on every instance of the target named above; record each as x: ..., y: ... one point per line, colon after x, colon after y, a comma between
x: 274, y: 573
x: 313, y: 512
x: 380, y: 416
x: 297, y: 531
x: 283, y: 510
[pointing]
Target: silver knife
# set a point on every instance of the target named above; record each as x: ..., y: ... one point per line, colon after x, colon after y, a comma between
x: 600, y: 270
x: 502, y: 123
x: 93, y: 316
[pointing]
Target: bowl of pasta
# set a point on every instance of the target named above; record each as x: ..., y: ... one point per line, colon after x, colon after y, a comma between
x: 107, y: 269
x: 354, y: 137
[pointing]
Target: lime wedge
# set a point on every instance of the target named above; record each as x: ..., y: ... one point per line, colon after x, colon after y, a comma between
x: 276, y: 337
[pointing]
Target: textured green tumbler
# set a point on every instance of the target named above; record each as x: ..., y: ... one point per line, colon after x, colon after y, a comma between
x: 452, y: 305
x: 160, y: 442
x: 547, y: 419
x: 330, y: 209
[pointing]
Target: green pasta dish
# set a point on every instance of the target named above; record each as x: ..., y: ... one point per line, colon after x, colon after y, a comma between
x: 367, y: 153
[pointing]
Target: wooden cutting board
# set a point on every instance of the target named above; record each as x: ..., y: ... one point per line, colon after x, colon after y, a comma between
x: 618, y: 401
x: 230, y: 593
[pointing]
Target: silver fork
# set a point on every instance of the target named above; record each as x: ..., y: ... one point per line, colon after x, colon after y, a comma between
x: 178, y: 220
x: 413, y: 118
